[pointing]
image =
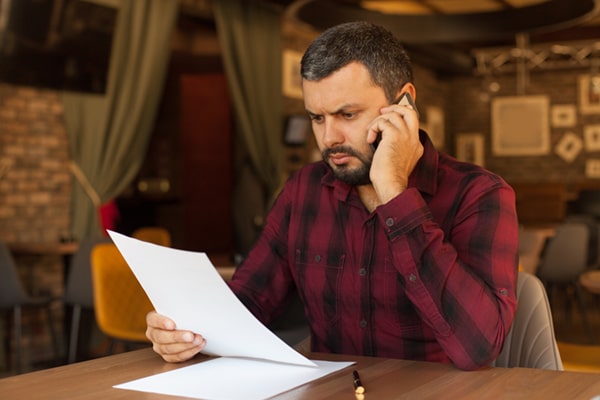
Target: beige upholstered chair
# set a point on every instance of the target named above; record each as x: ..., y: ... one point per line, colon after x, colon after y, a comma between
x: 530, y: 342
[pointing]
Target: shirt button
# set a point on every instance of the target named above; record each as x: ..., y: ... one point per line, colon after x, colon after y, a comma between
x: 503, y: 292
x: 317, y: 258
x: 362, y: 272
x: 389, y: 221
x: 363, y: 323
x: 412, y: 277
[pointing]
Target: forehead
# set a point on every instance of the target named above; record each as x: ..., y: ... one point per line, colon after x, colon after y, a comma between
x: 351, y: 84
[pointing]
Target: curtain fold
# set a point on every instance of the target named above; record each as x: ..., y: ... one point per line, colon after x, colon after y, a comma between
x: 250, y: 39
x: 109, y: 134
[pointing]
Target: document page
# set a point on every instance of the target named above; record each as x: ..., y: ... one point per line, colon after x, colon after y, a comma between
x: 186, y: 287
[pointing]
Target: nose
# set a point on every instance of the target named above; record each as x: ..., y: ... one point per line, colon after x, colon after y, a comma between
x: 332, y: 135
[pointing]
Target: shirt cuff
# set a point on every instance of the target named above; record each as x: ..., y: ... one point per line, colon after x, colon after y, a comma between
x: 403, y: 213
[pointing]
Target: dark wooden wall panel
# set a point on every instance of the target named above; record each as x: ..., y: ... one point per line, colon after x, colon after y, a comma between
x: 206, y: 145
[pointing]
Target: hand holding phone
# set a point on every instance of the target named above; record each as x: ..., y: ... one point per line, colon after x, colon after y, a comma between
x: 405, y: 100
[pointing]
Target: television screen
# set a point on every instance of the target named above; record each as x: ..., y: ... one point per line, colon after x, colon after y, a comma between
x: 57, y: 44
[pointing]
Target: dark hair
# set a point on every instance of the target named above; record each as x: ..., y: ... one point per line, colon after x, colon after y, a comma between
x: 371, y: 45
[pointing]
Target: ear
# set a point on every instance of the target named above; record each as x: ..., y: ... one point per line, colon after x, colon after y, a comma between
x: 410, y: 88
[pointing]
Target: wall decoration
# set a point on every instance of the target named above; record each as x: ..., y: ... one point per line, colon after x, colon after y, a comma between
x: 292, y: 81
x: 591, y: 135
x: 297, y: 130
x: 435, y: 126
x: 470, y: 148
x: 589, y: 94
x: 592, y: 168
x: 520, y: 125
x: 564, y: 116
x: 569, y: 147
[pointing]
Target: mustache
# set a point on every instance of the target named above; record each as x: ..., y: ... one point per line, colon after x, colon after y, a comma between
x: 339, y: 149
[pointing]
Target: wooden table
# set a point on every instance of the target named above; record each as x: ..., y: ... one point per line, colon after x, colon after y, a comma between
x: 383, y: 379
x: 591, y: 281
x: 35, y: 248
x: 63, y: 249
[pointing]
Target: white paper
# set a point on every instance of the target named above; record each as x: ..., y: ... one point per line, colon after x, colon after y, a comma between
x: 234, y: 379
x: 186, y: 287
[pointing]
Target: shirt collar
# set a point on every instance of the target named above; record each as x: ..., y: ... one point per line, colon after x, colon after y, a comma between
x: 424, y: 176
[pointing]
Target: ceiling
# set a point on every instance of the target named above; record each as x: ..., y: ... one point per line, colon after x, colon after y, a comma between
x: 443, y: 33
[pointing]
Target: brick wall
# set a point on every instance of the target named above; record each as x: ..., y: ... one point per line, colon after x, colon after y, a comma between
x: 35, y: 183
x: 35, y: 195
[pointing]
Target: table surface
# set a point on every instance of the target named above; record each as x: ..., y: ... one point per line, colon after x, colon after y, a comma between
x: 382, y: 378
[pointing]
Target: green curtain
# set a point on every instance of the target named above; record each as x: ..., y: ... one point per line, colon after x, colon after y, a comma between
x: 251, y: 46
x: 109, y: 134
x: 250, y: 39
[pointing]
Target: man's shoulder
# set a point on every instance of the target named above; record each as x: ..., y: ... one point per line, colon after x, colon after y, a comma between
x: 474, y: 173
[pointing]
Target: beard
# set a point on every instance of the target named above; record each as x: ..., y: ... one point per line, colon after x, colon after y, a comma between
x: 356, y: 176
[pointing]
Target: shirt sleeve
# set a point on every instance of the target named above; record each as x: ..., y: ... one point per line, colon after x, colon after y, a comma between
x: 462, y: 283
x: 263, y: 282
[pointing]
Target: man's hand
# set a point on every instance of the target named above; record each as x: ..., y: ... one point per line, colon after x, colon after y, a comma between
x: 397, y: 153
x: 171, y: 344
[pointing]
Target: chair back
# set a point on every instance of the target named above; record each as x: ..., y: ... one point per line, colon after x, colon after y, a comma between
x: 531, y: 343
x: 153, y: 234
x: 78, y: 288
x: 566, y: 254
x: 120, y: 303
x: 11, y: 287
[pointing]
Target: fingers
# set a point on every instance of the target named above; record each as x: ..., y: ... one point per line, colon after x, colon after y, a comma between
x: 159, y: 321
x: 409, y: 116
x: 396, y: 116
x: 171, y: 344
x: 180, y: 351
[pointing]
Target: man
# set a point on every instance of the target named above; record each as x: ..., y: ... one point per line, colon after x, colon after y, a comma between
x: 399, y: 252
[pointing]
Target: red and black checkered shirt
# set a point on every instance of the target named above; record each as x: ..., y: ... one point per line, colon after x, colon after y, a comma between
x: 430, y: 275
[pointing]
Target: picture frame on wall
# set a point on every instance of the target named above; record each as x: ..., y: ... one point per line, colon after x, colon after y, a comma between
x: 589, y: 94
x: 564, y: 115
x: 435, y: 126
x: 520, y: 125
x: 591, y: 136
x: 292, y: 81
x: 569, y: 147
x: 470, y: 148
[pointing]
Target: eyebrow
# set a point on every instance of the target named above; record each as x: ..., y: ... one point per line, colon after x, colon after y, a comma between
x: 340, y: 110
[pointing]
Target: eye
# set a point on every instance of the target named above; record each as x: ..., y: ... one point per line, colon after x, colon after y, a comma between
x: 349, y: 115
x: 316, y: 118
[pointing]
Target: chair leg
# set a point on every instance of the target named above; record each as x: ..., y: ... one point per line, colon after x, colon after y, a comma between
x: 6, y: 340
x: 53, y: 335
x: 74, y: 336
x: 17, y: 339
x: 582, y: 307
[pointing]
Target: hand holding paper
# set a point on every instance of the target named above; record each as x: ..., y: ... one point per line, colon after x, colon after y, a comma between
x: 186, y: 287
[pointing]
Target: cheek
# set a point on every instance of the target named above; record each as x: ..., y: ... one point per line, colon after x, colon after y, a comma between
x: 318, y: 134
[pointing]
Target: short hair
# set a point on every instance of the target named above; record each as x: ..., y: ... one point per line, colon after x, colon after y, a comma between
x: 373, y: 46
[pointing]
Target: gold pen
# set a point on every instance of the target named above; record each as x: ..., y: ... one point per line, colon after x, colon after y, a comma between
x: 358, y: 387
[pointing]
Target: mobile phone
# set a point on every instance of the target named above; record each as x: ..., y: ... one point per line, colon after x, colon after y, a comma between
x: 404, y: 100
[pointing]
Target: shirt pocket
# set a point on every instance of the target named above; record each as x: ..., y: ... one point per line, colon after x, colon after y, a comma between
x: 319, y: 281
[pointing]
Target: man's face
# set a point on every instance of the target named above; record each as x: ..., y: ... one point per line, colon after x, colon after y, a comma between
x: 341, y: 107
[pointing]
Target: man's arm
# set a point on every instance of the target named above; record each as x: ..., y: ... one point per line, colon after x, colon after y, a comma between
x: 463, y: 284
